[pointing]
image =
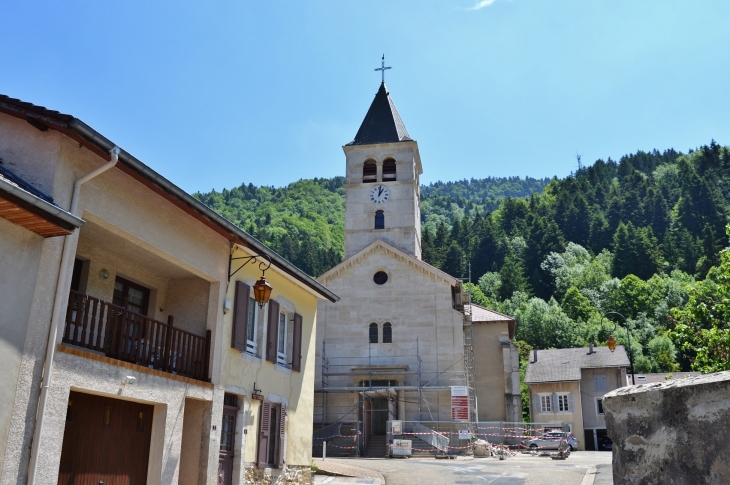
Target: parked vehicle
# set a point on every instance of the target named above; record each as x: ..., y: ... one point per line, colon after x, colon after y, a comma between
x: 605, y: 444
x: 551, y: 441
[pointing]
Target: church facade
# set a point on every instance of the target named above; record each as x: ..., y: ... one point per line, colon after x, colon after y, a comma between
x: 402, y: 337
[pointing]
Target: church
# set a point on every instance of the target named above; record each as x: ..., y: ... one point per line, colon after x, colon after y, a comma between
x: 404, y: 343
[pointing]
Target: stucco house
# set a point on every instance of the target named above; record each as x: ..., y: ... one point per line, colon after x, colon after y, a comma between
x: 117, y: 330
x: 567, y: 385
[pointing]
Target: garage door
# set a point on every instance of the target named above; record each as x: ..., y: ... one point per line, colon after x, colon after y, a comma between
x: 106, y: 441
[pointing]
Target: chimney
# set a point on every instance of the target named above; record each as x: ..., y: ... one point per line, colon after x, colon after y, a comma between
x: 590, y: 347
x: 534, y: 356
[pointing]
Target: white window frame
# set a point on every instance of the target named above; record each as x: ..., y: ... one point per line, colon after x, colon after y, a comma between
x: 546, y: 403
x: 251, y: 344
x: 563, y: 402
x: 281, y: 338
x: 599, y: 405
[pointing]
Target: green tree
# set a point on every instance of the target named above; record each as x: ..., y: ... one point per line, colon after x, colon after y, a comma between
x: 702, y: 327
x: 663, y: 354
x: 512, y: 276
x: 577, y: 306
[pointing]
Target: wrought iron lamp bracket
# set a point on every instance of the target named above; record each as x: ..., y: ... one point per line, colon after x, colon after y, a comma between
x: 263, y: 265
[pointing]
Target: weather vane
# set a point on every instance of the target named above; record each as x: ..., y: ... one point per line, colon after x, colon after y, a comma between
x: 382, y: 68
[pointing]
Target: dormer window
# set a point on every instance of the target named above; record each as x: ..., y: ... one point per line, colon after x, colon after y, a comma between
x: 389, y: 170
x: 370, y: 171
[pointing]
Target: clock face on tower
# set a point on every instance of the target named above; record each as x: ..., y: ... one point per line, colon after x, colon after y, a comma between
x: 379, y: 194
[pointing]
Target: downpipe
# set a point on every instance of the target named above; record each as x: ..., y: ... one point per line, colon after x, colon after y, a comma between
x: 58, y: 303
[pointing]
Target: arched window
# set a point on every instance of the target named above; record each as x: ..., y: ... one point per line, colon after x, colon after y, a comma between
x: 373, y: 333
x: 379, y: 220
x: 370, y: 172
x: 387, y: 333
x: 389, y: 170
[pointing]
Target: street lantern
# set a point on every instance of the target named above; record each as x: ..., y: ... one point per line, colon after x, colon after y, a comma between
x: 262, y: 291
x: 611, y: 342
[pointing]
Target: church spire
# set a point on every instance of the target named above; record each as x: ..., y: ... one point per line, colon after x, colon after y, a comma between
x: 382, y: 123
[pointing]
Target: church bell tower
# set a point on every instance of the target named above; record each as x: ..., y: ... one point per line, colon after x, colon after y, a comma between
x: 381, y: 185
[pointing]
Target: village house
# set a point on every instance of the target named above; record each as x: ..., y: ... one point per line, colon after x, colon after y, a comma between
x: 404, y: 343
x: 567, y: 386
x: 122, y: 332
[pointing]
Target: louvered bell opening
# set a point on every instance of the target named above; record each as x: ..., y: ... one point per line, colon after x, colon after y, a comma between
x: 389, y: 170
x: 370, y: 172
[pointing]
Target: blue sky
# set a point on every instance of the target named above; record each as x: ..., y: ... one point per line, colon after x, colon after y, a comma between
x: 215, y: 94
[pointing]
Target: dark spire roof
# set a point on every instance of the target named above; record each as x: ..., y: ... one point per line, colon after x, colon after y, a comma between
x: 382, y: 124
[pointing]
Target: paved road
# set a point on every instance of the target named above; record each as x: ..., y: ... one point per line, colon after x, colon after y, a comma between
x: 519, y: 470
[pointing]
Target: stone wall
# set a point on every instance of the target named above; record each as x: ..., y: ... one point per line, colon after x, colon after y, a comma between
x: 675, y: 432
x: 288, y: 475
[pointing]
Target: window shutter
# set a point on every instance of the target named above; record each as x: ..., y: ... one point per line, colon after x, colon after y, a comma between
x: 272, y: 331
x: 280, y: 448
x: 264, y: 425
x: 571, y: 403
x: 554, y: 398
x: 296, y: 362
x: 240, y: 313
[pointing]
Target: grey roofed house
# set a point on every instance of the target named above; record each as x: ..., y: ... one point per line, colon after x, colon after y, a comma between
x: 561, y: 365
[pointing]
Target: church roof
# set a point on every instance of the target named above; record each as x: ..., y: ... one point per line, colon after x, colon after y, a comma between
x: 380, y: 245
x: 382, y: 123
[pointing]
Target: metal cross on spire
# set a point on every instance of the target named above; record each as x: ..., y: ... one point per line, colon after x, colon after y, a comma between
x: 382, y: 68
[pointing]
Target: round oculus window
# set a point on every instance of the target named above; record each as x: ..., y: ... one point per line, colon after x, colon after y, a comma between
x: 380, y: 278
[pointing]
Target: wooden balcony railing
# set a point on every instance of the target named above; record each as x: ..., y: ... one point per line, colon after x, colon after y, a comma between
x: 121, y: 334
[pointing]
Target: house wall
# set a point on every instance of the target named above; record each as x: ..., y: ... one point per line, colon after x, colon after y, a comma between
x: 278, y: 384
x: 496, y: 380
x: 402, y: 210
x: 575, y: 418
x: 20, y: 256
x: 615, y: 378
x: 86, y: 375
x: 192, y: 440
x: 131, y: 211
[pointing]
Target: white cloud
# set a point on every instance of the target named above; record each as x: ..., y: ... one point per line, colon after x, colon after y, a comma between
x: 481, y: 4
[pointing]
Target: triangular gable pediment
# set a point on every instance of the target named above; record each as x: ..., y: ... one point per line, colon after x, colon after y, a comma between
x: 382, y: 247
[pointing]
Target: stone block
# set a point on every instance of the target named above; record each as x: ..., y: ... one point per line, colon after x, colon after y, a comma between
x: 675, y: 432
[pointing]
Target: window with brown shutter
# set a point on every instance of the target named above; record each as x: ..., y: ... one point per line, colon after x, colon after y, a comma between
x: 271, y: 331
x: 240, y: 316
x: 296, y: 359
x: 280, y: 438
x: 264, y: 434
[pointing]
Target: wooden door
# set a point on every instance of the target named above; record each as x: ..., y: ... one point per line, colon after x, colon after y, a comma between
x: 228, y: 440
x: 105, y: 441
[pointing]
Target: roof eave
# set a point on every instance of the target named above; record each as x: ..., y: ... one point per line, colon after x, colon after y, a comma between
x: 92, y: 135
x: 34, y: 204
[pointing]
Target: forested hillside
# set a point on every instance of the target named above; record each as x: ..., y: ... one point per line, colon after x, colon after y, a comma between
x: 637, y: 236
x: 304, y: 221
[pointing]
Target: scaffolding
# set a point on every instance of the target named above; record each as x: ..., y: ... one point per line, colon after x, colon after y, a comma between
x: 379, y: 375
x: 412, y: 386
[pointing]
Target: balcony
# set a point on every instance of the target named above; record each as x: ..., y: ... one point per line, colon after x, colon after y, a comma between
x: 118, y: 333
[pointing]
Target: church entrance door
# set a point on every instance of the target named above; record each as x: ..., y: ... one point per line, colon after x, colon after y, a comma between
x: 378, y: 416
